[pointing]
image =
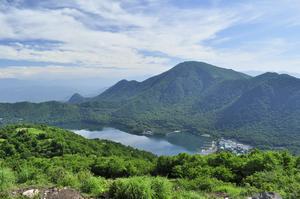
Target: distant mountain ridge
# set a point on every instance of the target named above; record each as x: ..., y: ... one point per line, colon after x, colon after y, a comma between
x: 263, y: 111
x: 42, y: 90
x: 187, y: 78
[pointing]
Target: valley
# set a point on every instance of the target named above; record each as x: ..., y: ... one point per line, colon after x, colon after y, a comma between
x: 262, y: 111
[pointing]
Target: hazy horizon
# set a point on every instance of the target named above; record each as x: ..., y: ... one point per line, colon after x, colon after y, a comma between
x: 85, y: 45
x: 39, y: 90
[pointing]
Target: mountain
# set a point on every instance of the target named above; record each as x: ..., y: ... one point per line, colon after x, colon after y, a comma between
x: 256, y: 73
x: 197, y: 97
x: 213, y: 99
x: 76, y: 98
x: 185, y: 80
x: 269, y: 108
x: 20, y: 90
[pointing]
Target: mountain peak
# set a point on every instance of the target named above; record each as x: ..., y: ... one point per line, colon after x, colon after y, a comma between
x: 273, y: 75
x: 188, y: 79
x: 214, y: 71
x: 269, y: 74
x: 193, y: 65
x: 76, y: 98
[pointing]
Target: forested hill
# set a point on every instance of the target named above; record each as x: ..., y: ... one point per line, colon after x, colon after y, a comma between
x: 187, y: 79
x: 39, y: 157
x: 263, y: 111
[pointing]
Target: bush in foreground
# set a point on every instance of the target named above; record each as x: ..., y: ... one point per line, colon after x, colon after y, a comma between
x: 141, y: 187
x: 7, y: 179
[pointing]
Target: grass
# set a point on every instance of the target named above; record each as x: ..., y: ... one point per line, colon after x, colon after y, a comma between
x: 33, y: 131
x: 190, y: 195
x: 234, y: 192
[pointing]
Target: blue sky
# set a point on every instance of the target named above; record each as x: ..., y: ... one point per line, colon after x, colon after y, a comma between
x: 71, y: 39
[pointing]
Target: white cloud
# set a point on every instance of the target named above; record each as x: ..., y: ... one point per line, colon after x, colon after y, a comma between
x: 106, y: 33
x: 70, y: 72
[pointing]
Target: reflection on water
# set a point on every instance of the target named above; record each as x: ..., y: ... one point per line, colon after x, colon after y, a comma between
x: 172, y: 144
x: 189, y: 141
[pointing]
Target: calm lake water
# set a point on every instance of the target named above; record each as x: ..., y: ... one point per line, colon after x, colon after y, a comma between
x: 172, y: 144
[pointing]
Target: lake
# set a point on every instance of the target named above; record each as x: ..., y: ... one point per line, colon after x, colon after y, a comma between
x: 172, y: 144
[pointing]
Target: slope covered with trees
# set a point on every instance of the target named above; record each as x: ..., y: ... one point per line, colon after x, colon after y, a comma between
x: 262, y: 111
x: 43, y: 156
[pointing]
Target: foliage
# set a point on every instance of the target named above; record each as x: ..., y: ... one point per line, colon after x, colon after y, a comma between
x: 100, y: 168
x: 91, y: 184
x: 262, y: 111
x: 131, y: 188
x: 141, y: 187
x: 114, y: 167
x: 7, y: 179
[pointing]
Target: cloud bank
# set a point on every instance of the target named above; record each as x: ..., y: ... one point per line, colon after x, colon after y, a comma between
x: 101, y: 38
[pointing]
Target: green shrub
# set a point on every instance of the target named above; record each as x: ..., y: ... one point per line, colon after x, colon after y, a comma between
x: 7, y: 179
x: 91, y: 184
x: 201, y: 183
x: 62, y: 177
x: 286, y: 186
x: 131, y: 188
x: 161, y: 188
x: 68, y: 180
x: 26, y: 173
x: 117, y: 167
x: 55, y: 173
x: 141, y: 188
x: 229, y: 189
x: 223, y: 173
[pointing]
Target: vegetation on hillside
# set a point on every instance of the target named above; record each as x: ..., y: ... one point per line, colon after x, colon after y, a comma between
x: 43, y: 156
x: 262, y: 111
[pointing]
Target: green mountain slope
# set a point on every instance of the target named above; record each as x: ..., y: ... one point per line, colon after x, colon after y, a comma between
x: 47, y: 112
x: 76, y: 98
x: 269, y: 108
x: 42, y: 157
x: 195, y: 94
x: 263, y: 111
x: 166, y: 101
x: 27, y: 141
x: 185, y: 80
